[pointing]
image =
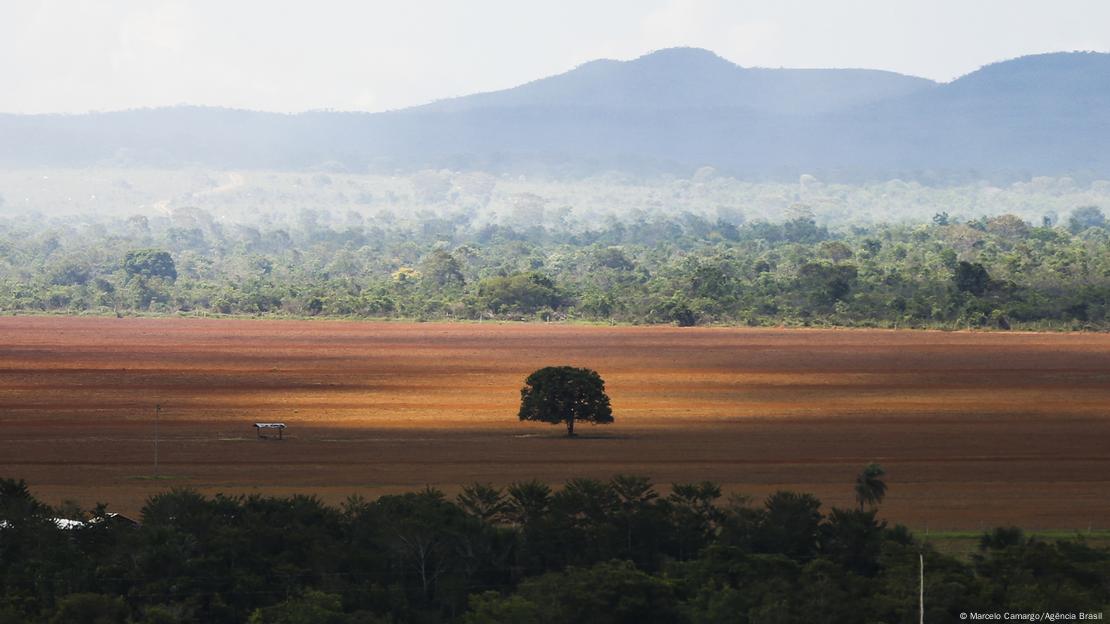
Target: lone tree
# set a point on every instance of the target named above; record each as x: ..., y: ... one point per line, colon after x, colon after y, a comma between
x: 870, y: 487
x: 564, y: 394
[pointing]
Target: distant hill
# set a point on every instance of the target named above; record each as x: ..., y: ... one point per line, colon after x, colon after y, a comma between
x: 1043, y: 113
x: 695, y: 79
x: 671, y: 110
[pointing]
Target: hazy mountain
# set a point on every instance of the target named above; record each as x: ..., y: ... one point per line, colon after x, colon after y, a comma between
x: 1043, y: 113
x: 670, y: 110
x: 695, y: 79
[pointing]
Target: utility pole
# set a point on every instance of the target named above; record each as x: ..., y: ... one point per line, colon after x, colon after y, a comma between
x: 157, y: 413
x: 921, y: 595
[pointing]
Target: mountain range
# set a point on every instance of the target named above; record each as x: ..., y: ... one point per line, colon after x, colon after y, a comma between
x: 668, y: 111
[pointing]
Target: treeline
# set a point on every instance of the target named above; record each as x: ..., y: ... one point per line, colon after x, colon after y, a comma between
x: 592, y: 551
x: 686, y: 269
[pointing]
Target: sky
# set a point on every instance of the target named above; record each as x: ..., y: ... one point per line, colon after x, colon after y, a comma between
x: 373, y: 55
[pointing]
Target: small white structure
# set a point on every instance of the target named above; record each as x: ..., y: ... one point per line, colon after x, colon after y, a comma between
x: 67, y: 524
x: 260, y: 426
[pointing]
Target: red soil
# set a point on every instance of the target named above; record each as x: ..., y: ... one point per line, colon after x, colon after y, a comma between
x: 974, y: 429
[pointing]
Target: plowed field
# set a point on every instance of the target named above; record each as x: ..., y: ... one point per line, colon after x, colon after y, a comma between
x: 974, y: 429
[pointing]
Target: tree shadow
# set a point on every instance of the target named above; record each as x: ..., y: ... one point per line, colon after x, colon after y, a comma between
x: 576, y: 436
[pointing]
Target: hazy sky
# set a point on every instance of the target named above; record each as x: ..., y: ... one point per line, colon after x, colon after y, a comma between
x: 283, y: 55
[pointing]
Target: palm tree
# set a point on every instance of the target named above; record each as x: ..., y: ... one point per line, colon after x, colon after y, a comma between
x: 483, y: 501
x: 870, y: 487
x: 527, y: 501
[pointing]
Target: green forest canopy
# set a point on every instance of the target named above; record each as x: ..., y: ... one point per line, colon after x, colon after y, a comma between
x: 684, y: 269
x: 591, y: 551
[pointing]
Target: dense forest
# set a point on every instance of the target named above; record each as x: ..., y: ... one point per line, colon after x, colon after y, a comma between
x: 591, y: 551
x: 542, y: 263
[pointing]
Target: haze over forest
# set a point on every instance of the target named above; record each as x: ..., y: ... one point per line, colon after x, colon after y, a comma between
x: 677, y: 187
x: 668, y: 112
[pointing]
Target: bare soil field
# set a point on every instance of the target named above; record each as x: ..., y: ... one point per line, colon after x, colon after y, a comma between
x: 974, y: 429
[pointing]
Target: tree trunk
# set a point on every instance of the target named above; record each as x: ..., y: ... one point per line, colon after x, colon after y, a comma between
x: 570, y: 427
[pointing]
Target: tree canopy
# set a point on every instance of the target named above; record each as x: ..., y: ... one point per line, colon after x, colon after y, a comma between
x: 677, y: 263
x: 565, y: 394
x: 870, y: 487
x: 150, y: 263
x: 592, y: 551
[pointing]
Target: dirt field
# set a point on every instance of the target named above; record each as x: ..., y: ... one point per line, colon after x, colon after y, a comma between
x: 974, y: 429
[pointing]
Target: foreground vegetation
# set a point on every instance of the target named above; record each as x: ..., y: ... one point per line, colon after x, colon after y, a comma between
x: 688, y: 269
x: 592, y: 551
